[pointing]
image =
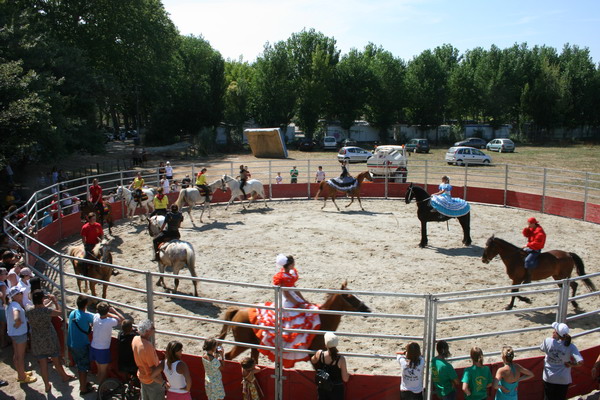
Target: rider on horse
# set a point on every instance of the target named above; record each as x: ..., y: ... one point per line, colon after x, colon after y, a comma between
x: 137, y: 185
x: 345, y: 173
x: 91, y: 234
x: 244, y: 175
x: 173, y: 221
x: 161, y: 202
x: 96, y: 197
x: 201, y: 183
x: 536, y: 239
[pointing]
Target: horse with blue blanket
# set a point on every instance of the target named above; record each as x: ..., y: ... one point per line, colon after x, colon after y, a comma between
x: 348, y: 185
x: 438, y: 209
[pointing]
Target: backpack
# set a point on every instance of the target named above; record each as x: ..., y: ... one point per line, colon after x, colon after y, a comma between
x: 323, y: 377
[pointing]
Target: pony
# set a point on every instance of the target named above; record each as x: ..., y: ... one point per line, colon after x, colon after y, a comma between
x: 174, y: 253
x: 191, y: 196
x: 329, y: 322
x: 87, y: 207
x: 177, y: 254
x: 330, y: 191
x: 127, y: 195
x: 253, y: 187
x: 555, y: 263
x: 101, y: 272
x: 426, y: 213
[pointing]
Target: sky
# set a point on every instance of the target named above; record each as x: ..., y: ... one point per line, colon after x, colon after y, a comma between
x: 404, y: 27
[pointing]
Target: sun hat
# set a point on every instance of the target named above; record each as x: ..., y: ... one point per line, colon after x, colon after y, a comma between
x: 331, y: 340
x: 15, y: 290
x: 560, y: 328
x: 532, y: 220
x: 26, y: 271
x: 280, y: 260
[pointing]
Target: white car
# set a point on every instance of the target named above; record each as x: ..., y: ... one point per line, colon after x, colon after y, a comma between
x: 501, y: 145
x: 463, y: 155
x: 354, y: 154
x: 329, y: 143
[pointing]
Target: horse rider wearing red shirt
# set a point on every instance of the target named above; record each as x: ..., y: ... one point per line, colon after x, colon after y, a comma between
x: 96, y: 197
x: 91, y: 234
x: 536, y: 239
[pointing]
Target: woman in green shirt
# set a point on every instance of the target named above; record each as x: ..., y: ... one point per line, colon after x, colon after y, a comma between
x: 444, y: 377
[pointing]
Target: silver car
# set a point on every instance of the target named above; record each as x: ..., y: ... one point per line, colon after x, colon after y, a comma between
x: 354, y: 154
x: 466, y: 155
x: 501, y: 145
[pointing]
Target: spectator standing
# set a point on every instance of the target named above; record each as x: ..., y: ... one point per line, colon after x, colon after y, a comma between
x: 278, y: 178
x: 104, y: 320
x: 294, y: 175
x: 169, y: 171
x: 80, y: 326
x: 126, y: 360
x: 477, y: 379
x: 13, y: 264
x: 509, y: 375
x: 412, y: 366
x: 444, y: 377
x: 44, y: 340
x: 146, y: 359
x: 250, y: 387
x: 161, y: 169
x: 561, y: 356
x: 164, y: 183
x: 177, y: 373
x: 331, y: 361
x: 25, y: 276
x: 320, y: 175
x: 66, y: 203
x: 16, y: 320
x: 3, y: 298
x: 212, y: 360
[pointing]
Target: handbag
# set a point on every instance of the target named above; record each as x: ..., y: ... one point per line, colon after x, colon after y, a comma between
x: 322, y: 377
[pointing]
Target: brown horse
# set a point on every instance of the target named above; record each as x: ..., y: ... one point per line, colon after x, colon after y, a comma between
x: 329, y: 191
x: 555, y: 263
x: 100, y: 272
x: 86, y: 207
x: 329, y: 322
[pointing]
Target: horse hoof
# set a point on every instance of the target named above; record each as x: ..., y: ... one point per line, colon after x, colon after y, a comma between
x: 508, y: 308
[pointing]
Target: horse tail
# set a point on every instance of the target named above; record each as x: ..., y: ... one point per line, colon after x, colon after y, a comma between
x: 581, y: 271
x: 191, y: 261
x: 180, y: 198
x: 229, y: 314
x: 320, y: 189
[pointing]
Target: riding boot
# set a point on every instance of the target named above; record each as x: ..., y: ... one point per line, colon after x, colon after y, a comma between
x: 527, y: 278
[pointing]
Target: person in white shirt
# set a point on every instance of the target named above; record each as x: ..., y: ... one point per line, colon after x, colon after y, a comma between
x: 106, y: 318
x: 320, y: 175
x: 169, y: 171
x: 25, y: 276
x: 412, y: 366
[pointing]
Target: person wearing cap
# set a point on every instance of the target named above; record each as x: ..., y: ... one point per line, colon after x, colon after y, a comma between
x: 561, y: 356
x: 335, y: 364
x: 536, y: 239
x: 173, y: 221
x: 161, y: 203
x: 169, y: 171
x: 91, y: 234
x: 201, y: 183
x: 96, y: 197
x: 16, y: 322
x: 25, y: 276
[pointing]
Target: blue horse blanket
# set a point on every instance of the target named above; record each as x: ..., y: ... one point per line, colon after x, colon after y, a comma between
x: 450, y: 206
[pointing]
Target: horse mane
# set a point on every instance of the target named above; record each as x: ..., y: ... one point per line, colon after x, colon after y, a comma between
x: 502, y: 241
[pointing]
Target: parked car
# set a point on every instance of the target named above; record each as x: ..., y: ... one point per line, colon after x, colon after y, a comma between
x: 389, y: 161
x: 329, y: 143
x: 501, y: 145
x: 418, y: 145
x: 306, y: 144
x: 353, y: 154
x: 349, y: 142
x: 463, y: 155
x: 472, y: 142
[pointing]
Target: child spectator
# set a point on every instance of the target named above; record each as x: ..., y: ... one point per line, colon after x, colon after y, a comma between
x: 212, y: 360
x: 126, y: 360
x: 250, y: 387
x: 477, y: 378
x: 443, y: 375
x: 294, y: 175
x: 177, y: 373
x: 320, y: 175
x: 412, y: 365
x: 104, y: 320
x: 278, y: 178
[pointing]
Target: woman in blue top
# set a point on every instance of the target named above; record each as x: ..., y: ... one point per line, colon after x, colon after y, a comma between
x: 445, y: 187
x: 443, y: 202
x: 508, y: 376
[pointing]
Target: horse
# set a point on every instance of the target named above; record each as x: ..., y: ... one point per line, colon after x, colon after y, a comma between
x: 329, y: 322
x: 101, y: 272
x: 87, y: 207
x: 127, y: 195
x: 330, y: 191
x: 191, y: 196
x: 555, y: 263
x: 253, y: 187
x: 427, y: 213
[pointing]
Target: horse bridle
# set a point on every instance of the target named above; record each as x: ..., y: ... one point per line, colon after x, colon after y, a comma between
x: 410, y: 188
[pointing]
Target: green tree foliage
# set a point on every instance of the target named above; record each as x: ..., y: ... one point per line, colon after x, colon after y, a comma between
x: 239, y: 76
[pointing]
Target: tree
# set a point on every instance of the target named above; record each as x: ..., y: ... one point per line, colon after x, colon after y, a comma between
x: 239, y: 76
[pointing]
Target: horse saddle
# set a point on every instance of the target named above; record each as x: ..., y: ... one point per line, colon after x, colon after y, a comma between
x: 343, y: 184
x: 204, y: 192
x: 143, y: 197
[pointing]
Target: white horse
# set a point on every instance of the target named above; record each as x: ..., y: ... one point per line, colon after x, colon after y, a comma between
x: 191, y: 196
x: 175, y: 253
x: 253, y: 187
x: 127, y: 195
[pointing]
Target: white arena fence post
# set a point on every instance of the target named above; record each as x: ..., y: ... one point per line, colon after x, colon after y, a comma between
x: 122, y: 184
x: 432, y: 340
x: 426, y: 174
x: 63, y: 301
x: 308, y: 173
x: 149, y: 297
x: 544, y: 186
x: 505, y: 184
x: 278, y: 302
x: 270, y: 180
x: 466, y: 182
x: 585, y: 195
x: 563, y: 301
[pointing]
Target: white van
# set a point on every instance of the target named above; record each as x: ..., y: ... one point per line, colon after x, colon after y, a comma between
x: 329, y: 143
x: 390, y: 161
